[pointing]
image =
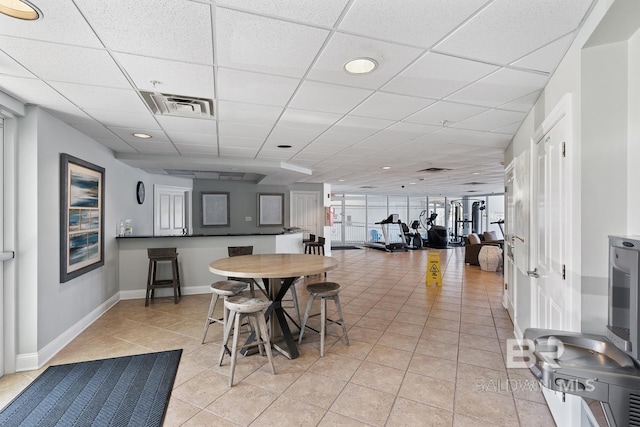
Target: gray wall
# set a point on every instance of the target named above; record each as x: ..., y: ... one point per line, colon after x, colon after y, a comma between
x: 243, y: 201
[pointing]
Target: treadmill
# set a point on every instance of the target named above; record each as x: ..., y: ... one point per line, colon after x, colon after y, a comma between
x: 393, y: 235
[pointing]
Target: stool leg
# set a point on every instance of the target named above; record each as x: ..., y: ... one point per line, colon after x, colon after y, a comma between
x: 174, y: 272
x: 306, y: 317
x: 323, y: 323
x: 336, y: 300
x: 294, y: 296
x: 262, y: 327
x: 212, y: 306
x: 234, y: 347
x: 149, y: 282
x: 225, y: 339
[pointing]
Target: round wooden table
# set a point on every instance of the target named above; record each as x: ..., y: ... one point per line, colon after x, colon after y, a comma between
x: 278, y: 272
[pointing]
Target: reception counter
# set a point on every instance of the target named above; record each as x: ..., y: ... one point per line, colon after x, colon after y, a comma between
x: 195, y: 254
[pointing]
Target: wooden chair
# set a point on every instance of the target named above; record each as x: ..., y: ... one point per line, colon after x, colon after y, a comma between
x: 156, y: 256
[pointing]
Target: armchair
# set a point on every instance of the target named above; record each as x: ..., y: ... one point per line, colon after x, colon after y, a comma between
x: 473, y: 244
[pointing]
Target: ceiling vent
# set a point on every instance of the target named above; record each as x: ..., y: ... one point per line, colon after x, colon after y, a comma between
x: 434, y: 170
x: 367, y: 187
x: 474, y: 183
x: 164, y: 104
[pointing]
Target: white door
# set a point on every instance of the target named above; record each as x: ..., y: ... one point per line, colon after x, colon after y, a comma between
x: 550, y: 214
x: 509, y: 240
x: 2, y: 246
x: 171, y: 206
x: 304, y: 211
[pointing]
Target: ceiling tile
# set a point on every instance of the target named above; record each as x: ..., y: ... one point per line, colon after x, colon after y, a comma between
x: 302, y: 119
x: 547, y: 57
x: 490, y: 120
x: 240, y: 112
x: 442, y: 111
x: 436, y: 76
x: 270, y: 46
x: 128, y: 119
x: 413, y: 22
x: 240, y: 142
x: 196, y: 150
x: 501, y: 87
x: 383, y: 105
x: 183, y: 36
x: 243, y: 130
x: 328, y: 98
x: 192, y: 139
x: 153, y: 147
x: 173, y: 77
x: 524, y: 27
x: 523, y: 104
x: 58, y: 15
x: 116, y: 144
x: 157, y: 137
x: 238, y: 152
x: 12, y: 68
x: 297, y: 10
x: 342, y: 48
x: 290, y: 136
x: 183, y: 124
x: 101, y: 97
x: 81, y: 65
x: 33, y: 91
x: 242, y: 86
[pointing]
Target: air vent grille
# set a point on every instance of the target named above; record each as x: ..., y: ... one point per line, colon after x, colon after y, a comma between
x: 367, y: 187
x: 634, y: 410
x: 164, y: 104
x: 474, y: 183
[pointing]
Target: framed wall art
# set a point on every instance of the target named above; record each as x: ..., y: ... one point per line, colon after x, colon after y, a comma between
x: 215, y: 209
x: 81, y: 217
x: 270, y: 209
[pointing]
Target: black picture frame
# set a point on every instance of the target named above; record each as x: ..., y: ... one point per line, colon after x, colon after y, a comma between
x: 270, y: 209
x: 82, y: 190
x: 215, y: 209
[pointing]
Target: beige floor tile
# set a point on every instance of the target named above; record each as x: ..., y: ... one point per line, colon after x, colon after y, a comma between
x: 336, y: 366
x: 482, y: 358
x: 203, y: 389
x: 389, y: 356
x: 242, y: 403
x: 410, y: 413
x: 397, y: 341
x: 492, y: 407
x: 286, y: 412
x: 428, y: 390
x: 331, y: 419
x: 315, y: 389
x: 179, y: 412
x: 437, y: 349
x: 433, y: 366
x: 205, y: 419
x: 378, y: 377
x: 533, y: 414
x: 480, y: 342
x: 364, y: 404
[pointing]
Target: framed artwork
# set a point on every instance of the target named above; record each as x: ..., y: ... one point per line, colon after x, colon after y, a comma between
x: 81, y: 217
x: 215, y: 209
x: 270, y: 209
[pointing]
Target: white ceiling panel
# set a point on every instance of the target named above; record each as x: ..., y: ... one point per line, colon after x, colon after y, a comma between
x: 444, y: 112
x: 255, y: 43
x: 62, y: 24
x: 413, y: 22
x: 547, y: 57
x: 163, y: 33
x: 101, y: 98
x: 501, y: 87
x: 240, y: 112
x: 170, y: 77
x: 342, y: 48
x: 436, y: 76
x: 524, y: 27
x: 193, y: 139
x: 490, y: 120
x: 384, y: 105
x: 297, y: 10
x: 242, y: 86
x: 81, y: 65
x: 328, y: 98
x: 274, y: 70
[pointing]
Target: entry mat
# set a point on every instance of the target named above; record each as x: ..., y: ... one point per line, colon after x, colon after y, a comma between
x: 121, y: 391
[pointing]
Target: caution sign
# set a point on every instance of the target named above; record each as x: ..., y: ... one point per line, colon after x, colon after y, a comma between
x: 434, y: 273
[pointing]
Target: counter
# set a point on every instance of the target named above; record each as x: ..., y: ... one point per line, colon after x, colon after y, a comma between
x: 195, y: 252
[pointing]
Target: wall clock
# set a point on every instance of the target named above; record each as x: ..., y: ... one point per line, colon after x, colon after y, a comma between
x: 140, y: 192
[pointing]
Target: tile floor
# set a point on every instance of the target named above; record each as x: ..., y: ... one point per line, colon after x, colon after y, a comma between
x: 418, y: 355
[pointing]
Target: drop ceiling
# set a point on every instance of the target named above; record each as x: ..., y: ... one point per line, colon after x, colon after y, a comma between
x: 455, y: 79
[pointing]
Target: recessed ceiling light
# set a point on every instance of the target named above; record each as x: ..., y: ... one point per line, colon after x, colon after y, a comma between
x: 21, y: 9
x: 360, y: 66
x: 341, y: 180
x: 386, y: 167
x: 284, y: 146
x: 412, y: 183
x: 142, y: 135
x: 475, y: 173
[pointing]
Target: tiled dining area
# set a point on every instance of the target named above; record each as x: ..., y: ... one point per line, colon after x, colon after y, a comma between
x: 418, y: 355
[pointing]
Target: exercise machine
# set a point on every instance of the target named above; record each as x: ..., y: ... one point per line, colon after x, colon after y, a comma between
x: 392, y: 234
x: 437, y: 236
x: 499, y: 222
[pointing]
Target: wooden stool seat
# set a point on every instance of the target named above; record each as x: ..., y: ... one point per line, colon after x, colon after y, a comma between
x: 159, y: 255
x: 253, y: 309
x: 324, y: 291
x: 224, y: 289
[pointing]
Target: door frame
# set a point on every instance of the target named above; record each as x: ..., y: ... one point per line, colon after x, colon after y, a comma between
x: 172, y: 190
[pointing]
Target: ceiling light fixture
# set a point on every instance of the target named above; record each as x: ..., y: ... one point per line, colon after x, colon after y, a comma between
x: 284, y: 146
x: 142, y: 135
x: 20, y: 9
x: 386, y: 167
x: 360, y: 66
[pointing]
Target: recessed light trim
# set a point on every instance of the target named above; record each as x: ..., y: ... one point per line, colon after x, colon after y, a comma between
x: 20, y: 9
x: 141, y: 135
x: 360, y: 66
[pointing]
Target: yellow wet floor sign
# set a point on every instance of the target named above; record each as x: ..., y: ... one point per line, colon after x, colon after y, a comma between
x: 434, y: 273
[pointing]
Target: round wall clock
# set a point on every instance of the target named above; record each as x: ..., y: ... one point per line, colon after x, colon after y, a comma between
x: 140, y: 192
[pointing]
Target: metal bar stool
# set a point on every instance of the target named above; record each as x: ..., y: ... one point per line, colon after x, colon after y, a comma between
x: 252, y: 308
x: 324, y: 291
x: 158, y: 255
x: 224, y: 289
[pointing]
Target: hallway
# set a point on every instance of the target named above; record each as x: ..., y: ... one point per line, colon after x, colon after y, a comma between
x: 418, y: 355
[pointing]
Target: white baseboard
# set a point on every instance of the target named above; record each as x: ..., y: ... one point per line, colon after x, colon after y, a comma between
x: 168, y: 292
x: 31, y: 361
